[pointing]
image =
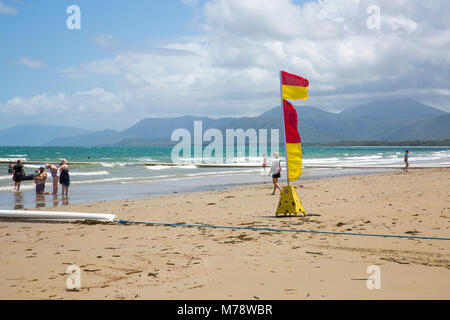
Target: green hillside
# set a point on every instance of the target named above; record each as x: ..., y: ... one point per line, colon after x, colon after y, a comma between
x: 384, y: 120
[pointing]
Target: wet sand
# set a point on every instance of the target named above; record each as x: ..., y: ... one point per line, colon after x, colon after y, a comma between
x: 163, y: 262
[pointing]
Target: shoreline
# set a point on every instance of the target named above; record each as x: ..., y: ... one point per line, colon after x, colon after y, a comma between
x: 168, y: 262
x: 26, y: 198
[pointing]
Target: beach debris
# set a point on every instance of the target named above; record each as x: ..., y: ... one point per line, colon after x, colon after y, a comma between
x: 340, y: 224
x: 92, y: 270
x: 318, y: 253
x: 244, y: 237
x: 196, y: 287
x: 414, y: 232
x: 393, y: 260
x: 133, y: 272
x: 211, y: 204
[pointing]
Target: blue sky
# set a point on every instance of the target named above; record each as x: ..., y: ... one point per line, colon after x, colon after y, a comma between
x: 142, y: 58
x: 39, y: 31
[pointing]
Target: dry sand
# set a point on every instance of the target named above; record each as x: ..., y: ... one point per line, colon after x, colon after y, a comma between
x: 161, y: 262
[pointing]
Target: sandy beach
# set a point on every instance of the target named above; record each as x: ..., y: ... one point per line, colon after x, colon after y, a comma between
x: 164, y: 262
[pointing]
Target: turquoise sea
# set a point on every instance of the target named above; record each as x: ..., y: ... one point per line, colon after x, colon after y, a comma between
x: 119, y: 172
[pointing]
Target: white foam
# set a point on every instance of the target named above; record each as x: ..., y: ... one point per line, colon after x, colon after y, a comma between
x: 22, y: 187
x: 162, y: 167
x: 116, y: 164
x: 157, y: 167
x: 13, y: 159
x: 91, y: 173
x: 100, y: 180
x: 33, y: 166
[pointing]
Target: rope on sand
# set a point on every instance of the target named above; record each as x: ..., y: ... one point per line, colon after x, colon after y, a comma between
x: 276, y: 230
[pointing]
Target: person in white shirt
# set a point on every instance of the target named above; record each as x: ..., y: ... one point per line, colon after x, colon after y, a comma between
x: 275, y: 171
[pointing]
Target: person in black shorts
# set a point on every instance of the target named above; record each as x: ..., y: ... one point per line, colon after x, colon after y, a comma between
x: 275, y: 171
x: 18, y: 173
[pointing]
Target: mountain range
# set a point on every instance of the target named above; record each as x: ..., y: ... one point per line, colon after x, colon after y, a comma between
x: 381, y: 120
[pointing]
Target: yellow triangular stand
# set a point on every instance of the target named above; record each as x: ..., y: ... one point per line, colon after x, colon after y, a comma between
x: 290, y: 203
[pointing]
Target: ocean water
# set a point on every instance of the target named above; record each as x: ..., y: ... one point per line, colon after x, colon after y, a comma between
x: 119, y: 172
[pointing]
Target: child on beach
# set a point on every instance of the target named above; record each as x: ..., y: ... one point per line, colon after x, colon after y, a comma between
x: 264, y: 162
x: 10, y: 168
x: 275, y: 170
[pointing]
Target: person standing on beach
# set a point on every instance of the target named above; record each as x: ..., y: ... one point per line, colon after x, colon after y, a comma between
x: 64, y: 177
x: 18, y: 173
x: 265, y: 162
x: 406, y: 158
x: 10, y: 168
x: 275, y: 171
x: 54, y: 171
x: 39, y: 179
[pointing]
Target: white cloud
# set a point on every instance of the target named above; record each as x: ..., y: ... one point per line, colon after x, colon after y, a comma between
x: 105, y: 67
x: 107, y: 41
x: 400, y: 22
x: 7, y: 9
x: 29, y: 62
x: 190, y: 2
x: 232, y: 67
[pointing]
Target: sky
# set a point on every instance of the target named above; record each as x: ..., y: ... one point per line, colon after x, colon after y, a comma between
x: 130, y: 60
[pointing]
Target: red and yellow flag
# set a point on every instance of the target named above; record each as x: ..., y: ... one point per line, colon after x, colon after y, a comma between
x: 294, y: 87
x: 293, y: 141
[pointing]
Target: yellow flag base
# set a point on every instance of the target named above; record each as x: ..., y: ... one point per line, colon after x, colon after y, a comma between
x: 289, y: 203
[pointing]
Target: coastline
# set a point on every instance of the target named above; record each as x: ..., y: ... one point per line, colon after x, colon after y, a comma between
x: 153, y: 187
x: 166, y: 262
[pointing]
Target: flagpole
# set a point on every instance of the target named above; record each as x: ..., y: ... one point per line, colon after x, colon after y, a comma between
x: 284, y: 130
